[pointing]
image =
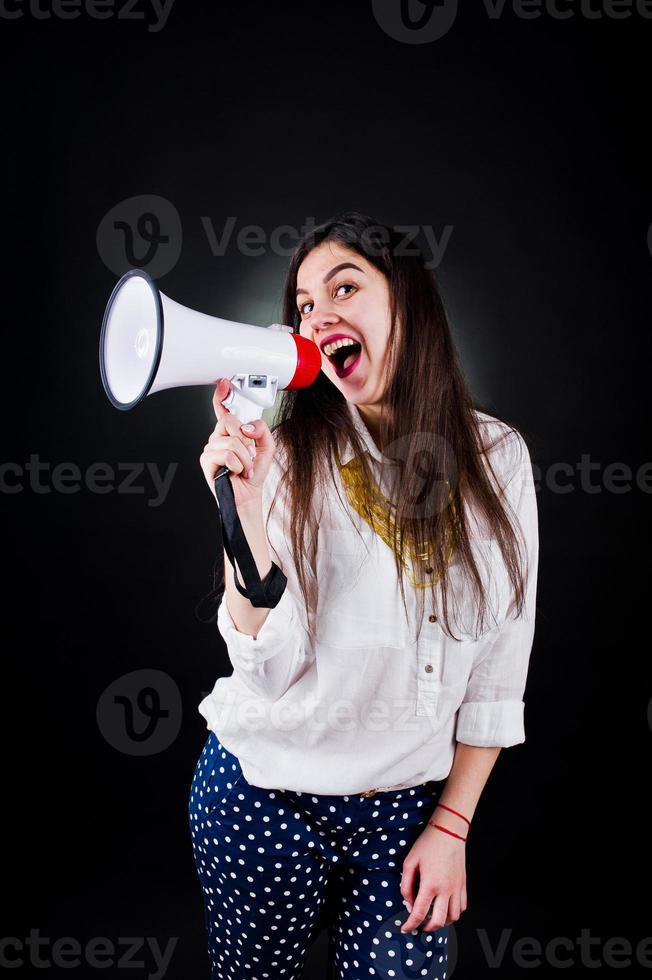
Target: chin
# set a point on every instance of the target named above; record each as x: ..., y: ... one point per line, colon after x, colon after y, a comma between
x: 354, y: 395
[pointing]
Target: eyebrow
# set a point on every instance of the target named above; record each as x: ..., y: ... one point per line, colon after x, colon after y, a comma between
x: 334, y: 271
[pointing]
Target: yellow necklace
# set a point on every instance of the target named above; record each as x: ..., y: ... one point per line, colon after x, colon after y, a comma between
x: 383, y: 521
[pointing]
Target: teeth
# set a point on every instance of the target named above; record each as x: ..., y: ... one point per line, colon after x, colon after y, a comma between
x: 331, y: 348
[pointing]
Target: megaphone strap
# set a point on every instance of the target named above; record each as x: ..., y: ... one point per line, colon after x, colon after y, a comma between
x: 264, y: 593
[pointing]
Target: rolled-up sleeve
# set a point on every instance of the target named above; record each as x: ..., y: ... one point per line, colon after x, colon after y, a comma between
x: 282, y: 649
x: 492, y: 711
x: 271, y: 662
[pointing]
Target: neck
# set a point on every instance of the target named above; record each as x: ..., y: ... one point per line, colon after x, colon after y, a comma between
x: 370, y: 415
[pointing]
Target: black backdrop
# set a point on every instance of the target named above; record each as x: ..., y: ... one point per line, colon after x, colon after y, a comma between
x: 515, y: 142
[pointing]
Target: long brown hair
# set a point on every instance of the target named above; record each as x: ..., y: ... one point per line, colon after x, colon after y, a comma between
x: 313, y: 424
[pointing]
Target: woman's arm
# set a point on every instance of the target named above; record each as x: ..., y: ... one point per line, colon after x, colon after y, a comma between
x: 472, y: 765
x: 269, y: 649
x: 438, y: 857
x: 489, y: 718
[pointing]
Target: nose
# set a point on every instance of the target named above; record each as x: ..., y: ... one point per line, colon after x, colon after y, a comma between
x: 322, y: 321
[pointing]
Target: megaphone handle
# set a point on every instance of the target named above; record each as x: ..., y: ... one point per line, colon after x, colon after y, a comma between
x: 261, y: 594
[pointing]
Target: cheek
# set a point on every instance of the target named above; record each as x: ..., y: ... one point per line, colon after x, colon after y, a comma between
x: 377, y: 329
x: 383, y: 341
x: 377, y: 350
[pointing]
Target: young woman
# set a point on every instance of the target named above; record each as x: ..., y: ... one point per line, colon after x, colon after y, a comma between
x: 349, y: 747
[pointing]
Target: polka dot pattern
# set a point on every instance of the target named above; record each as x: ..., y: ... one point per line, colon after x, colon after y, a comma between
x: 269, y: 860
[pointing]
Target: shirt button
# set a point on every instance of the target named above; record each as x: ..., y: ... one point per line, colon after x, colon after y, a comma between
x: 429, y: 570
x: 432, y: 618
x: 428, y: 668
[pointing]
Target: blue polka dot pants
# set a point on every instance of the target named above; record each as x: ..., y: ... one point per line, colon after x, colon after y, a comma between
x: 266, y: 859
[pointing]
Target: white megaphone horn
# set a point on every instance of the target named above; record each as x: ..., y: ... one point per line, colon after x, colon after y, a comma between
x: 148, y: 343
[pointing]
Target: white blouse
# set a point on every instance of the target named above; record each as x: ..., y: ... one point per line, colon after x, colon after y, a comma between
x: 363, y: 705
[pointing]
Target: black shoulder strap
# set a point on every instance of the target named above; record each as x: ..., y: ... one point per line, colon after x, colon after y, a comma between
x: 262, y: 594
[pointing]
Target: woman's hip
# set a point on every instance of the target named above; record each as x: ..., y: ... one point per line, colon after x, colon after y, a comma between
x: 221, y: 791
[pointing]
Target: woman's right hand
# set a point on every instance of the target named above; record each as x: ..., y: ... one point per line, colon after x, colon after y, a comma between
x: 229, y: 446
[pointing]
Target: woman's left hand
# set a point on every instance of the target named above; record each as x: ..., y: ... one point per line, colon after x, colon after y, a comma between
x: 440, y: 862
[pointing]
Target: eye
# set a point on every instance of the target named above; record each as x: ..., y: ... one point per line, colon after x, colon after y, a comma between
x: 342, y: 285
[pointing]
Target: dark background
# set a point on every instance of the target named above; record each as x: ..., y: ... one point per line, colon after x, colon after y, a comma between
x: 528, y: 138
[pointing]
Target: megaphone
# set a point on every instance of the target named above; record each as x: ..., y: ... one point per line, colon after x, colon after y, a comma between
x: 149, y: 343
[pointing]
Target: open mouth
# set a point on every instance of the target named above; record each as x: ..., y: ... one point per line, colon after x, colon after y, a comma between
x: 345, y: 359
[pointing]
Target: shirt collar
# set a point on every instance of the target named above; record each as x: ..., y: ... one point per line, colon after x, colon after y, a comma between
x: 364, y: 434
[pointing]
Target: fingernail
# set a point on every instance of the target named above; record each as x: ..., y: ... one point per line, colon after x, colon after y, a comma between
x: 248, y: 427
x: 252, y: 451
x: 250, y: 473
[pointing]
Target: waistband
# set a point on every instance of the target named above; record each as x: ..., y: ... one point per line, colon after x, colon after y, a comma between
x: 400, y: 789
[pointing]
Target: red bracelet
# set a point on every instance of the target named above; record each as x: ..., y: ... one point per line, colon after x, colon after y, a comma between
x: 450, y: 809
x: 446, y: 830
